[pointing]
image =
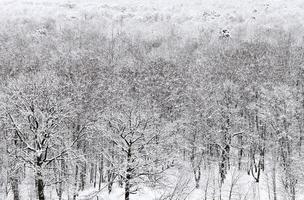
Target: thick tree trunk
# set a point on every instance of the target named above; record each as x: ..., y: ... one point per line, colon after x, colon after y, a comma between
x: 127, y: 186
x: 128, y: 174
x: 40, y: 185
x: 15, y: 188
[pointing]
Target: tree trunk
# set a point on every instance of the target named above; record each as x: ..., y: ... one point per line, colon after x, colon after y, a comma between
x: 101, y: 172
x: 127, y: 187
x: 220, y: 191
x: 13, y: 179
x: 128, y: 175
x: 110, y: 176
x: 59, y: 176
x: 95, y: 175
x: 101, y: 180
x: 15, y: 188
x: 274, y: 178
x: 223, y: 167
x: 110, y: 173
x: 230, y: 192
x: 83, y: 176
x: 40, y: 185
x: 76, y: 183
x: 92, y: 173
x: 226, y: 141
x: 59, y: 190
x: 197, y: 176
x: 293, y: 193
x: 207, y: 185
x: 240, y: 153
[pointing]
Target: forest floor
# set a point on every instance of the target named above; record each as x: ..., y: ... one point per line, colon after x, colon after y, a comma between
x: 178, y: 184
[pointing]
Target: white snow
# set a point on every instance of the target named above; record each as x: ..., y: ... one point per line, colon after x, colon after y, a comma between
x: 154, y: 16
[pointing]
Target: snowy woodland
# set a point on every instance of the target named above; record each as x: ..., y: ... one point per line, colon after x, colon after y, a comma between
x: 151, y: 100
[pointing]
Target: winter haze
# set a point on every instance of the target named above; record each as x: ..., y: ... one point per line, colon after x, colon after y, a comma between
x: 151, y: 100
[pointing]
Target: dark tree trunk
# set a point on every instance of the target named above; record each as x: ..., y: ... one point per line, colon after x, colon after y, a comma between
x: 127, y: 187
x: 76, y: 183
x: 83, y: 176
x: 240, y: 153
x: 120, y: 181
x: 14, y: 180
x: 110, y: 180
x: 224, y: 165
x: 128, y: 174
x: 293, y: 192
x: 223, y: 169
x: 40, y: 185
x: 95, y: 175
x: 15, y: 188
x: 225, y: 153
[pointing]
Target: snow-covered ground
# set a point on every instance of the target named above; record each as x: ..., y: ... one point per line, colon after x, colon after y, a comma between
x: 238, y: 185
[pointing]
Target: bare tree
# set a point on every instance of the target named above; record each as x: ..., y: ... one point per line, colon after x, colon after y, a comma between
x: 37, y: 112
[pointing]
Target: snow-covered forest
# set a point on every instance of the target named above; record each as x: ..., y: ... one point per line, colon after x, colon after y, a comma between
x: 151, y: 100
